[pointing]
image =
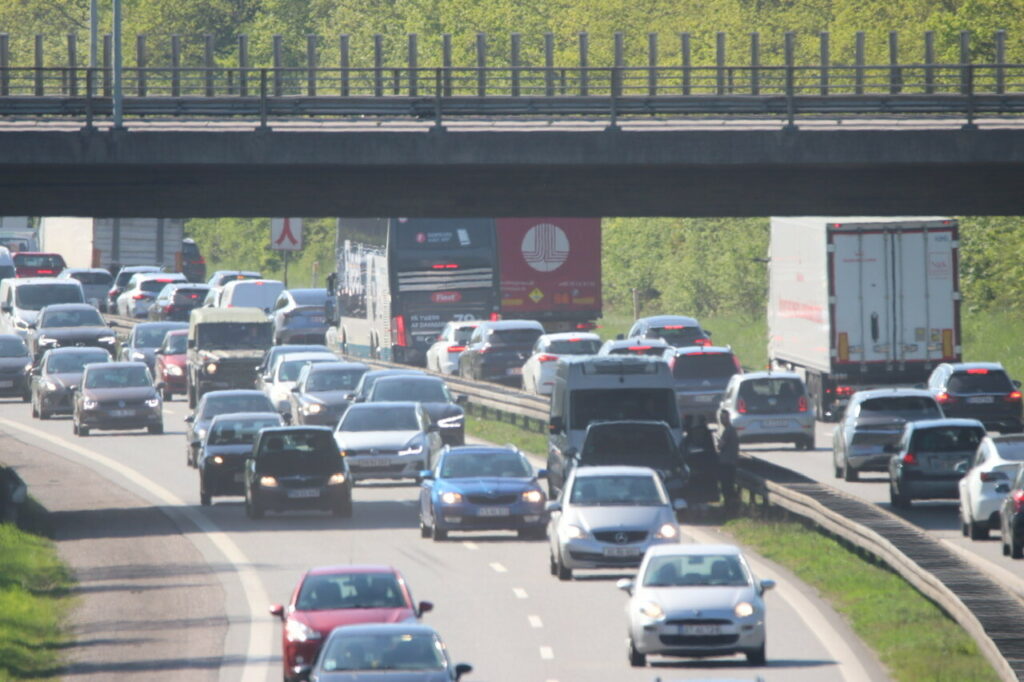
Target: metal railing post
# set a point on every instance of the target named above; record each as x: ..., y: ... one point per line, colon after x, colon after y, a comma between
x: 243, y: 66
x: 755, y: 63
x: 619, y: 62
x: 439, y: 90
x: 895, y: 72
x: 446, y: 63
x: 72, y: 65
x: 343, y: 63
x: 613, y: 109
x: 1000, y: 74
x: 263, y: 99
x: 5, y: 64
x: 208, y: 64
x: 378, y: 65
x: 140, y: 64
x: 413, y: 59
x: 969, y: 73
x: 514, y: 58
x: 790, y: 49
x: 549, y: 64
x: 481, y: 64
x: 826, y: 62
x: 584, y: 40
x: 686, y: 63
x: 89, y: 74
x: 720, y: 63
x: 176, y: 65
x: 39, y: 86
x: 965, y: 59
x: 311, y: 64
x: 277, y: 64
x: 929, y: 62
x: 858, y: 60
x: 652, y: 64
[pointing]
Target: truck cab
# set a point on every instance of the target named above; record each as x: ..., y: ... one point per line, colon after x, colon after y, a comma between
x: 225, y: 346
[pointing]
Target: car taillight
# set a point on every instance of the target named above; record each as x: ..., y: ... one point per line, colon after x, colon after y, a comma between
x: 456, y: 349
x: 113, y: 292
x: 910, y: 458
x: 737, y: 365
x: 398, y: 331
x: 844, y: 390
x: 1013, y: 396
x: 1018, y: 500
x: 741, y: 406
x: 138, y: 297
x: 989, y: 476
x: 495, y: 317
x: 977, y: 371
x: 943, y: 398
x: 169, y: 308
x: 486, y: 348
x: 45, y: 272
x: 702, y: 342
x: 639, y: 349
x: 801, y: 403
x: 546, y: 358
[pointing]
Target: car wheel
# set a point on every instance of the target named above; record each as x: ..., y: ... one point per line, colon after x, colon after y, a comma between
x: 756, y: 657
x: 191, y: 398
x: 636, y: 659
x: 424, y: 529
x: 253, y: 509
x: 849, y: 473
x: 168, y: 395
x: 83, y: 431
x: 35, y: 412
x: 344, y: 509
x: 204, y: 497
x: 1016, y: 549
x: 26, y: 397
x: 976, y: 530
x: 963, y: 527
x: 437, y: 534
x: 155, y: 428
x: 896, y: 499
x: 837, y: 470
x: 561, y: 571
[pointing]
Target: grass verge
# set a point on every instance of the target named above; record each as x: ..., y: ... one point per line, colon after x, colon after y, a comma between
x: 501, y: 432
x: 911, y: 635
x: 34, y: 601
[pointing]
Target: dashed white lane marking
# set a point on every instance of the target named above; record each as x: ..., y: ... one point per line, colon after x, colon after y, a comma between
x: 519, y: 592
x: 469, y: 544
x: 498, y: 568
x: 535, y: 622
x: 256, y: 666
x: 547, y: 653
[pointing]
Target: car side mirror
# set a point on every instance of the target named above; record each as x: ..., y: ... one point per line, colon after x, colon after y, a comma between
x: 191, y: 343
x: 7, y: 308
x: 296, y: 389
x: 433, y: 428
x: 553, y: 506
x: 30, y: 325
x: 461, y: 399
x: 571, y: 453
x: 626, y: 585
x: 767, y: 585
x: 462, y: 669
x: 159, y: 351
x: 556, y: 425
x: 37, y: 370
x: 190, y: 419
x: 277, y: 610
x: 425, y: 475
x: 1003, y: 488
x: 620, y: 337
x: 425, y: 607
x: 679, y: 504
x: 542, y: 473
x: 962, y: 467
x: 1016, y: 383
x: 302, y: 672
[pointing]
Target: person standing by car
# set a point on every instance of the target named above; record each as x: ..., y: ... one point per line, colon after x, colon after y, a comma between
x: 728, y: 455
x: 699, y: 451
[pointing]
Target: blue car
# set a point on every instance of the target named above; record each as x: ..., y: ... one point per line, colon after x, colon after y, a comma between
x: 482, y: 488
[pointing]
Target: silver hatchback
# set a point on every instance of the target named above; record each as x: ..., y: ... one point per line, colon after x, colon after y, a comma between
x: 770, y: 407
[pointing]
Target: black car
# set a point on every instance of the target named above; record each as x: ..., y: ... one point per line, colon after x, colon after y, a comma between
x: 15, y: 365
x: 193, y: 265
x: 177, y: 300
x: 322, y: 393
x: 629, y: 443
x: 71, y: 324
x: 144, y: 339
x: 228, y: 444
x: 497, y: 351
x: 300, y: 316
x: 115, y: 396
x: 927, y: 463
x: 979, y: 390
x: 366, y: 382
x: 444, y: 409
x: 297, y: 467
x: 57, y: 376
x: 220, y: 402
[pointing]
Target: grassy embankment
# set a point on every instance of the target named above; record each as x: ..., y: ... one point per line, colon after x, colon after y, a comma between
x: 34, y: 600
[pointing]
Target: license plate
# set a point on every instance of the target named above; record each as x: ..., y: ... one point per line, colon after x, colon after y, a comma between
x: 621, y: 551
x: 704, y: 398
x: 700, y: 629
x: 514, y: 370
x: 774, y: 423
x: 492, y: 511
x: 239, y: 478
x: 370, y: 461
x: 6, y: 383
x: 316, y: 318
x: 981, y: 399
x: 943, y: 464
x: 304, y: 492
x: 122, y: 413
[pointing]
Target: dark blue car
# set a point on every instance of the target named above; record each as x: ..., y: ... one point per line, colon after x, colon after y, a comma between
x: 482, y: 488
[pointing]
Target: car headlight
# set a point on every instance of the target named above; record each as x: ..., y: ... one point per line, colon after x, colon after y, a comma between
x: 49, y: 385
x: 312, y: 408
x: 295, y: 631
x: 46, y: 341
x: 451, y: 498
x: 533, y: 496
x: 652, y: 610
x: 153, y: 402
x: 28, y: 367
x: 451, y: 422
x: 88, y: 404
x: 668, y: 531
x: 336, y: 479
x: 174, y: 370
x: 574, y: 532
x: 411, y: 450
x: 109, y: 339
x: 201, y: 433
x: 211, y: 368
x: 217, y: 459
x: 744, y: 609
x: 136, y: 355
x: 268, y: 481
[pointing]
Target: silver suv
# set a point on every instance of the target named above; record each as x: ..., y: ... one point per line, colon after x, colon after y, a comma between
x: 770, y: 407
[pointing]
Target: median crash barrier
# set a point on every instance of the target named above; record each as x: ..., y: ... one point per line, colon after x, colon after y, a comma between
x: 13, y: 493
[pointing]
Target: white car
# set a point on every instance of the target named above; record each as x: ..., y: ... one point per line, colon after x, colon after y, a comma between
x: 142, y: 289
x: 285, y: 375
x: 986, y: 482
x: 443, y: 354
x: 695, y: 600
x: 607, y: 517
x: 539, y: 368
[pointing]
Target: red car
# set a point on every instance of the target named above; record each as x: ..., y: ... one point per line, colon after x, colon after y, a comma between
x: 170, y: 364
x: 35, y: 264
x: 330, y: 596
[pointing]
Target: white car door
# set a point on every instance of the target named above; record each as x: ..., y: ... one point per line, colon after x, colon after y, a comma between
x: 971, y: 483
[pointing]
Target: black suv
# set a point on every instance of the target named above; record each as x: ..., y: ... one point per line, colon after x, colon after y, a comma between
x: 497, y: 350
x: 193, y: 265
x: 978, y: 390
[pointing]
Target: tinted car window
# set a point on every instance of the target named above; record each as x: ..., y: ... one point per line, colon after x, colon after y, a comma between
x: 189, y: 250
x: 617, y: 404
x: 183, y: 295
x: 37, y: 296
x: 947, y: 439
x: 44, y: 260
x: 678, y: 337
x: 989, y: 381
x: 93, y: 277
x: 255, y: 295
x: 150, y: 337
x: 177, y: 344
x: 634, y: 444
x: 704, y: 366
x: 380, y: 419
x: 234, y: 403
x: 709, y: 569
x: 154, y: 286
x: 771, y: 395
x: 1011, y: 450
x: 289, y: 369
x: 513, y: 337
x: 117, y: 377
x: 462, y: 335
x: 417, y: 391
x: 308, y: 452
x: 229, y: 335
x: 72, y: 363
x: 71, y: 318
x: 239, y: 431
x: 639, y: 349
x: 476, y: 464
x: 602, y: 491
x: 334, y: 380
x: 310, y: 297
x: 12, y: 348
x: 918, y: 407
x: 389, y: 652
x: 350, y: 591
x: 581, y: 347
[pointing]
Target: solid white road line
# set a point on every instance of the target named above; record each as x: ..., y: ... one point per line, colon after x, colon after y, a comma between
x: 535, y: 622
x: 547, y: 653
x: 849, y: 664
x: 261, y: 631
x: 469, y: 544
x: 498, y: 568
x: 519, y: 592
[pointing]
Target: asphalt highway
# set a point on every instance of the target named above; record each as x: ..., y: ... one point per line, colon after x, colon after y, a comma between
x: 496, y: 605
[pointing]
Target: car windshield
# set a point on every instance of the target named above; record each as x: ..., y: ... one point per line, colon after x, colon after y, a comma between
x: 93, y: 277
x: 239, y: 431
x: 369, y: 379
x: 484, y: 464
x: 980, y: 381
x: 309, y: 296
x: 710, y: 570
x: 908, y: 407
x: 38, y: 296
x: 298, y: 452
x: 83, y: 317
x: 514, y: 337
x: 39, y: 260
x: 430, y: 391
x: 379, y: 418
x: 378, y: 652
x: 176, y: 344
x: 625, y: 491
x: 234, y: 335
x: 220, y: 404
x: 154, y: 286
x: 616, y: 404
x: 678, y: 336
x: 288, y: 370
x: 771, y: 396
x: 631, y: 444
x: 151, y: 337
x: 639, y: 348
x: 947, y: 439
x: 117, y: 377
x: 350, y: 591
x: 574, y: 347
x: 12, y: 347
x: 73, y: 363
x: 1012, y: 450
x: 705, y: 366
x: 334, y: 380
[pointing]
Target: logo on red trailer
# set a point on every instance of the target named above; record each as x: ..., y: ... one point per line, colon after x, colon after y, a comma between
x: 421, y: 237
x: 446, y: 297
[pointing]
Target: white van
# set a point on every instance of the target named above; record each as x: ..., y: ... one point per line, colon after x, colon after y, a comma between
x: 6, y: 263
x: 251, y: 293
x: 21, y: 299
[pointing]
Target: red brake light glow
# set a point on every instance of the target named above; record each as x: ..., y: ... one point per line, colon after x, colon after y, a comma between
x: 1013, y: 395
x: 989, y: 476
x: 673, y: 326
x: 546, y: 358
x: 943, y: 398
x: 801, y: 403
x: 445, y: 266
x: 138, y: 297
x: 741, y: 406
x: 494, y: 317
x: 702, y: 342
x: 844, y: 390
x: 977, y: 370
x: 399, y: 331
x: 910, y: 458
x: 456, y: 349
x: 639, y: 348
x: 1018, y: 500
x: 45, y: 272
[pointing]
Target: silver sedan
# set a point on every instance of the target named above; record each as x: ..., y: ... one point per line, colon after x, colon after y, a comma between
x: 695, y: 601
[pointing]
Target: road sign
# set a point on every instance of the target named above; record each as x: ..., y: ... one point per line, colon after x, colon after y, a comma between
x: 286, y: 234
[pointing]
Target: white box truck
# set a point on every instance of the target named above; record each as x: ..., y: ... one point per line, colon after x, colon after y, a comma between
x: 862, y: 302
x: 113, y: 242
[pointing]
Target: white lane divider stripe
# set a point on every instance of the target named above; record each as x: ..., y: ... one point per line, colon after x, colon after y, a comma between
x: 261, y: 632
x: 519, y: 592
x: 469, y: 544
x: 535, y: 622
x: 547, y: 653
x: 498, y: 568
